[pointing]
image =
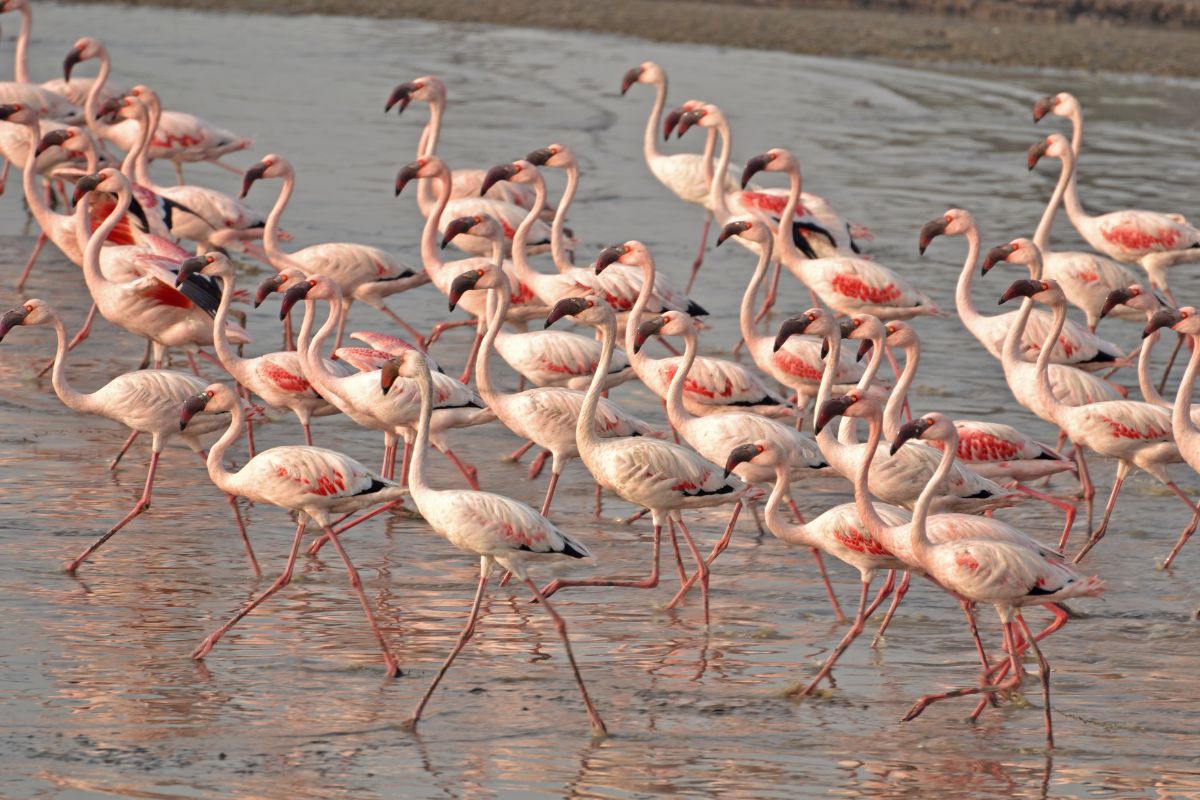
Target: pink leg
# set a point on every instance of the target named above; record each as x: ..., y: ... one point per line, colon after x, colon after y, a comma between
x: 901, y: 590
x: 519, y: 453
x: 320, y: 541
x: 468, y: 471
x: 718, y: 548
x: 599, y: 502
x: 1044, y: 674
x: 1008, y: 685
x: 124, y: 449
x: 442, y: 327
x: 409, y: 329
x: 561, y: 627
x: 699, y: 253
x: 1162, y: 384
x: 386, y: 469
x: 389, y: 661
x: 549, y: 493
x: 860, y: 618
x: 833, y: 601
x: 701, y: 566
x: 192, y: 363
x: 535, y: 468
x: 675, y: 548
x: 1183, y: 537
x: 250, y: 437
x: 470, y: 367
x: 1086, y: 486
x: 307, y: 434
x: 237, y: 517
x: 1067, y: 508
x: 467, y: 631
x: 408, y: 448
x: 284, y: 579
x: 33, y: 257
x: 645, y: 583
x: 1098, y: 534
x: 142, y: 505
x: 772, y: 293
x: 796, y: 515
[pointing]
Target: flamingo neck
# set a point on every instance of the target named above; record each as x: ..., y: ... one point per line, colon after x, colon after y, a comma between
x: 650, y: 138
x: 275, y: 254
x: 784, y: 244
x: 91, y: 250
x: 716, y: 186
x: 136, y: 165
x: 1181, y: 413
x: 217, y: 473
x: 1076, y: 142
x: 226, y: 353
x: 558, y: 244
x: 827, y: 442
x: 430, y: 254
x: 418, y: 483
x: 964, y: 302
x: 783, y: 528
x: 639, y: 361
x: 585, y: 426
x: 752, y: 337
x: 499, y: 299
x: 848, y: 428
x: 677, y: 414
x: 45, y: 216
x: 1010, y: 351
x: 92, y: 101
x: 917, y: 530
x: 520, y: 257
x: 428, y: 147
x: 862, y: 495
x: 1041, y: 237
x: 72, y: 399
x: 1149, y: 391
x: 1074, y: 207
x: 895, y: 402
x: 316, y: 371
x: 1042, y: 374
x: 21, y: 60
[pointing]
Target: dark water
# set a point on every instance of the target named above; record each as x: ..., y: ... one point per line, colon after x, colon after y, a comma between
x: 99, y: 698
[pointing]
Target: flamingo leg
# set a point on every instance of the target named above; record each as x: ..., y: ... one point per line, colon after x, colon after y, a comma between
x: 237, y: 518
x: 860, y: 619
x: 1183, y: 537
x: 901, y: 590
x: 701, y: 566
x: 179, y: 172
x: 470, y: 367
x: 33, y: 257
x: 678, y: 556
x: 1044, y: 673
x: 718, y: 548
x: 549, y: 494
x: 469, y: 472
x: 561, y: 627
x: 519, y: 453
x: 833, y: 601
x: 799, y: 518
x: 535, y: 468
x: 409, y: 329
x: 320, y: 541
x: 1012, y: 683
x: 250, y: 436
x: 467, y: 631
x: 307, y: 434
x: 772, y: 293
x: 1086, y: 486
x: 442, y: 327
x: 142, y: 504
x: 1162, y: 384
x: 124, y: 449
x: 599, y: 510
x: 699, y: 253
x: 391, y: 668
x: 1098, y: 534
x: 284, y: 579
x: 1067, y: 508
x: 644, y: 583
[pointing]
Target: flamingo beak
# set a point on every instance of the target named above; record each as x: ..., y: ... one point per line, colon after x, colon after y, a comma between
x: 567, y: 307
x: 930, y: 231
x: 456, y: 227
x: 254, y: 173
x: 689, y: 119
x: 500, y: 172
x: 540, y: 156
x: 733, y: 229
x: 12, y: 319
x: 630, y: 78
x: 269, y: 286
x: 51, y: 139
x: 86, y: 184
x: 831, y: 409
x: 792, y: 326
x: 406, y: 174
x: 401, y: 95
x: 1042, y: 107
x: 1115, y: 298
x: 190, y: 267
x: 388, y: 374
x: 609, y: 255
x: 740, y: 455
x: 1036, y: 151
x: 647, y: 328
x: 8, y: 109
x: 1021, y: 288
x: 865, y: 348
x: 463, y: 284
x: 1163, y: 318
x: 191, y: 407
x: 910, y: 430
x: 755, y: 166
x: 293, y: 296
x: 670, y: 121
x: 73, y: 58
x: 996, y: 255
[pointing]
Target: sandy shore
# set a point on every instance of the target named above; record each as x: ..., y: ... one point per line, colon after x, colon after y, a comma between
x: 1141, y: 36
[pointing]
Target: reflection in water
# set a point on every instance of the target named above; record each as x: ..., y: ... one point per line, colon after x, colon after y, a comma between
x: 96, y: 690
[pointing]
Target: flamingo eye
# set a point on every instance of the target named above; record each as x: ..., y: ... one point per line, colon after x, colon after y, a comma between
x: 857, y: 323
x: 760, y: 448
x: 1184, y: 314
x: 209, y: 394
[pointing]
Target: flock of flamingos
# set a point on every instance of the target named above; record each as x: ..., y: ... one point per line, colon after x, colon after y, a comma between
x: 924, y: 486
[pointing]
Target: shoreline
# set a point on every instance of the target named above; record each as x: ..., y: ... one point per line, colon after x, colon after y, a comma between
x: 1033, y: 34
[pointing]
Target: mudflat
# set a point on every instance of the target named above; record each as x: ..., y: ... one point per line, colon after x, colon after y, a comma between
x: 1131, y: 36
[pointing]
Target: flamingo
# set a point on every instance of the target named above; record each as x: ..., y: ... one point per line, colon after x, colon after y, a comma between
x: 74, y: 92
x: 362, y: 272
x: 146, y: 401
x: 1136, y: 298
x: 1136, y: 434
x: 178, y: 137
x: 713, y: 436
x: 846, y: 284
x: 715, y: 385
x: 1078, y: 347
x: 496, y: 528
x: 988, y: 565
x: 663, y: 477
x: 278, y: 378
x: 311, y: 482
x: 545, y: 415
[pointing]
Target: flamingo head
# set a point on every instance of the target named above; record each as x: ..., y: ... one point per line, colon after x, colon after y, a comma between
x: 865, y: 328
x: 900, y: 334
x: 1062, y: 104
x: 1055, y: 145
x: 632, y: 253
x: 706, y: 115
x: 423, y: 167
x: 271, y: 166
x: 31, y: 312
x: 856, y: 405
x: 314, y: 287
x: 520, y: 171
x: 280, y: 282
x: 482, y: 278
x: 1018, y: 251
x: 472, y: 225
x: 212, y: 263
x: 760, y: 452
x: 646, y: 72
x: 1043, y: 291
x: 427, y: 89
x: 409, y: 364
x: 1189, y: 321
x: 1132, y: 296
x: 555, y: 156
x: 127, y: 107
x: 19, y: 113
x: 776, y: 159
x: 590, y: 310
x: 216, y: 398
x: 84, y: 48
x: 671, y: 120
x: 106, y: 180
x: 747, y: 228
x: 1165, y: 317
x: 814, y: 322
x: 669, y: 323
x: 60, y: 137
x: 954, y: 222
x: 933, y: 427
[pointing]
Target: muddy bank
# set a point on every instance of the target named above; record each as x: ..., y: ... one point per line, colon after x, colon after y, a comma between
x: 1132, y: 36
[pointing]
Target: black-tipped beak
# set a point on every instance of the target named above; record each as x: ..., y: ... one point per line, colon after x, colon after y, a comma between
x: 1042, y: 107
x: 755, y: 166
x: 407, y: 173
x: 847, y: 327
x: 609, y: 255
x: 500, y: 172
x: 292, y: 296
x: 73, y: 58
x: 87, y: 183
x: 456, y: 227
x: 930, y: 231
x: 251, y: 175
x: 670, y: 121
x: 54, y: 138
x: 268, y: 286
x: 110, y: 106
x: 865, y: 348
x: 1021, y: 288
x: 996, y: 255
x: 567, y: 307
x: 540, y: 156
x: 8, y: 109
x: 1163, y: 318
x: 733, y: 229
x: 740, y: 455
x: 1115, y: 298
x: 831, y: 410
x: 910, y: 430
x: 11, y: 319
x: 388, y: 374
x: 792, y: 326
x: 1036, y: 151
x: 630, y: 78
x: 647, y: 328
x: 463, y: 284
x: 191, y: 407
x: 689, y: 119
x: 190, y: 267
x: 402, y: 96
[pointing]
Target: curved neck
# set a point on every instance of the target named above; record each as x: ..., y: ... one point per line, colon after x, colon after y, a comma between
x: 784, y: 244
x: 1010, y: 351
x: 34, y: 197
x: 862, y: 495
x: 136, y: 165
x: 226, y: 353
x: 271, y: 231
x: 920, y: 538
x: 223, y: 478
x: 716, y: 186
x: 639, y: 361
x: 1181, y: 414
x: 1045, y: 392
x: 963, y: 300
x: 848, y: 429
x: 418, y: 484
x: 313, y: 359
x: 21, y: 61
x: 650, y: 138
x: 1076, y: 143
x: 91, y: 250
x: 141, y: 164
x: 895, y: 402
x: 677, y: 414
x: 1150, y: 392
x: 746, y: 312
x: 520, y: 258
x: 92, y: 101
x: 76, y: 401
x: 826, y: 440
x: 1041, y: 237
x: 499, y: 300
x: 430, y: 254
x: 558, y: 244
x: 585, y: 426
x: 777, y: 521
x: 428, y: 147
x: 1071, y: 202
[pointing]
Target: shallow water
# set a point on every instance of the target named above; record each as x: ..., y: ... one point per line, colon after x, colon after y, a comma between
x: 98, y: 695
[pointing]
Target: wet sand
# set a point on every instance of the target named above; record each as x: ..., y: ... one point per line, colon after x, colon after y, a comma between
x: 1128, y: 37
